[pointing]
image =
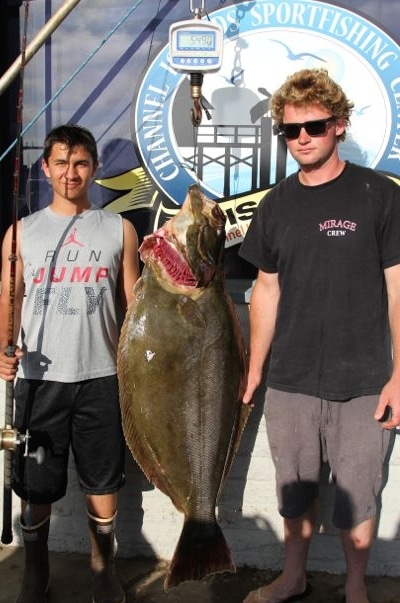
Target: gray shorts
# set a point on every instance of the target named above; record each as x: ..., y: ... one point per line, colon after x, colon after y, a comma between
x: 305, y: 431
x: 84, y: 417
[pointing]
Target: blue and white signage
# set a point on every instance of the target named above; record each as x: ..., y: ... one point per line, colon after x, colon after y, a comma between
x: 265, y: 41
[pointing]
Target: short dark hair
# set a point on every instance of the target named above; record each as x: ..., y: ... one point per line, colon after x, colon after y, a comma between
x: 72, y: 136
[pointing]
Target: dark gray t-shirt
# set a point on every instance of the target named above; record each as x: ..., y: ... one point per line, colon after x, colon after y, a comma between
x: 329, y: 244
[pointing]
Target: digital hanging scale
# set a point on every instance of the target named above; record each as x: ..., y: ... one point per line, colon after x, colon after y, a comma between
x: 195, y: 46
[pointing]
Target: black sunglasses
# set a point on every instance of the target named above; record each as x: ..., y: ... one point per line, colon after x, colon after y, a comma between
x: 317, y: 127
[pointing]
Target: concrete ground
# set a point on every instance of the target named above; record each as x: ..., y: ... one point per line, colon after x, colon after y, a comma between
x: 143, y: 581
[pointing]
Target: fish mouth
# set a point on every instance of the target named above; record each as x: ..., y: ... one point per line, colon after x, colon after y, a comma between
x: 173, y: 263
x: 185, y: 253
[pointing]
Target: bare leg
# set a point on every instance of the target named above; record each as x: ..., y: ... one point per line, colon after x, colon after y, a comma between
x: 103, y: 506
x: 356, y: 545
x: 33, y: 514
x: 292, y: 580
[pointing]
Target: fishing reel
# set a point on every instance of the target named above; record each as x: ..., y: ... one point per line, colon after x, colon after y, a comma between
x: 10, y: 439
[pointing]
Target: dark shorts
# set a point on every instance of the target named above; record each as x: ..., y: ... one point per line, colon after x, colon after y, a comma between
x: 84, y: 417
x: 304, y: 431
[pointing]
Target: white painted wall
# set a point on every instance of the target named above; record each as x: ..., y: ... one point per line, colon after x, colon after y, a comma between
x: 149, y: 525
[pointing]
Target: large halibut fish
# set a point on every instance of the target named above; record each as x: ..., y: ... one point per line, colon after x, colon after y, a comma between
x: 182, y: 375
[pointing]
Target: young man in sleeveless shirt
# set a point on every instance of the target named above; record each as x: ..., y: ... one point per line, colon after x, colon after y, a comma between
x: 73, y: 263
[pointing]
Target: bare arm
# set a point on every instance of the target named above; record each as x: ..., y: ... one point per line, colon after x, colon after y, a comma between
x: 263, y: 311
x: 390, y: 395
x: 129, y: 269
x: 8, y: 366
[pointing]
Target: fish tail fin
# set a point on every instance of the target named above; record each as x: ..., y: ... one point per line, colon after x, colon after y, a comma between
x: 201, y: 550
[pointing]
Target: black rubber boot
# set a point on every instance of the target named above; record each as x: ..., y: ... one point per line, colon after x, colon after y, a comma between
x: 106, y: 585
x: 35, y: 582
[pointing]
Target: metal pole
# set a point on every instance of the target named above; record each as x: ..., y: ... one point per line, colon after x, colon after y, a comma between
x: 14, y: 70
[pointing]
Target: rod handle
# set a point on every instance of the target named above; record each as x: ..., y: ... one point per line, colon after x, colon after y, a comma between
x: 7, y: 535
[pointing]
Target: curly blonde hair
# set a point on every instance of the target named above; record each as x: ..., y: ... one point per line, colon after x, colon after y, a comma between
x: 311, y: 87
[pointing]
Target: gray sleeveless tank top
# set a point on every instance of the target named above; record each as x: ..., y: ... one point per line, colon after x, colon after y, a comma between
x: 69, y: 328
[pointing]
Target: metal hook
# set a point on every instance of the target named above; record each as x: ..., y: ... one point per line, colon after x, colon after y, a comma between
x: 196, y: 112
x: 196, y: 81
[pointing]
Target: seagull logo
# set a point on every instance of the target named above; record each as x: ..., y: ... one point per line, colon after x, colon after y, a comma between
x: 297, y: 56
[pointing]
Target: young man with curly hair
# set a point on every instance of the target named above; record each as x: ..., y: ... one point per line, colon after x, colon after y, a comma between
x: 325, y: 310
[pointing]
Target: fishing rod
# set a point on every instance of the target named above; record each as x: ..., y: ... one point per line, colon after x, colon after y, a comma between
x: 71, y: 78
x: 51, y: 25
x: 10, y: 438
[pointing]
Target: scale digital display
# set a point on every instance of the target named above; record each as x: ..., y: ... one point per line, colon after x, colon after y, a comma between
x: 196, y: 40
x: 195, y: 46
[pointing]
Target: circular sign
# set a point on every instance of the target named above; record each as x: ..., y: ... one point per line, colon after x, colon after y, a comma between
x: 234, y: 152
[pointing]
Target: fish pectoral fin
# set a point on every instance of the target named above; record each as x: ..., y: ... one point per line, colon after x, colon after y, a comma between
x: 244, y: 411
x: 190, y: 311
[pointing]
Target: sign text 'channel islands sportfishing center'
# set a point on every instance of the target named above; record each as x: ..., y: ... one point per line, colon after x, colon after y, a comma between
x: 233, y: 152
